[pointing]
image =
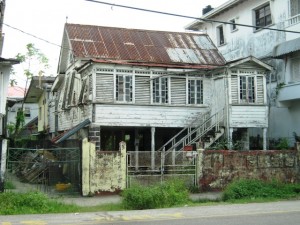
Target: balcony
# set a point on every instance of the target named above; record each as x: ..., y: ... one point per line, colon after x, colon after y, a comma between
x: 293, y: 20
x: 289, y: 92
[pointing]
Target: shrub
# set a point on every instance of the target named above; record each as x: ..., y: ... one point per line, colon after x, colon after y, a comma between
x: 253, y: 189
x: 29, y: 203
x: 170, y: 193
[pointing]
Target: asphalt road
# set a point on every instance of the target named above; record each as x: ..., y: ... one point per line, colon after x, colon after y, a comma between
x: 275, y: 213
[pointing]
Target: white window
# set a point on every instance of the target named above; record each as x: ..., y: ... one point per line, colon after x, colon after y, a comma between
x: 294, y: 7
x: 247, y: 89
x: 220, y: 35
x: 295, y: 70
x: 160, y: 90
x: 233, y: 26
x: 124, y: 88
x: 195, y: 92
x: 263, y: 16
x: 27, y: 113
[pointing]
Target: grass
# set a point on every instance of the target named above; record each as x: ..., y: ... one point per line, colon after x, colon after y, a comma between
x: 169, y: 194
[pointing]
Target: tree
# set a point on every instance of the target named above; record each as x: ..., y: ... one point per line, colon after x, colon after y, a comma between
x: 34, y: 62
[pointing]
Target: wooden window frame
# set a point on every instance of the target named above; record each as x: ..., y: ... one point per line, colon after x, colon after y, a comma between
x: 195, y: 92
x: 124, y: 88
x: 245, y: 97
x: 262, y: 16
x: 160, y: 90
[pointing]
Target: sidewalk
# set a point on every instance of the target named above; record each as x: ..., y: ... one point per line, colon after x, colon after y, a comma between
x: 99, y: 200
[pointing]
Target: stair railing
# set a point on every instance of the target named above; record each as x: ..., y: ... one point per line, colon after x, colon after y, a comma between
x: 194, y: 134
x: 187, y: 129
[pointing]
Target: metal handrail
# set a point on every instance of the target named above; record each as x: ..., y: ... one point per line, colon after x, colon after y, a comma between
x: 192, y: 124
x: 201, y: 130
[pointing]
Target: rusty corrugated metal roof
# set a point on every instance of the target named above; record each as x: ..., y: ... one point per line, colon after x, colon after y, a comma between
x: 147, y: 47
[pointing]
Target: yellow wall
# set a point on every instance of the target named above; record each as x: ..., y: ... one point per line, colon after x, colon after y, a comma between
x: 102, y: 171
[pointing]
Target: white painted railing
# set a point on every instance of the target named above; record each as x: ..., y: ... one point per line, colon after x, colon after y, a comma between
x: 293, y: 20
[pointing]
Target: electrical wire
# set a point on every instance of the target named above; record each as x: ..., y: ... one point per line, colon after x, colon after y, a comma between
x: 190, y: 17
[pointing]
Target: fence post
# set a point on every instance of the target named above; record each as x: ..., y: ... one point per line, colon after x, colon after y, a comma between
x: 123, y: 154
x: 199, y: 164
x: 3, y: 163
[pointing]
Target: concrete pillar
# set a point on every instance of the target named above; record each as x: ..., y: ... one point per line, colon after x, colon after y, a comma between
x: 200, y: 165
x: 265, y: 138
x: 152, y: 148
x: 122, y: 147
x: 3, y: 163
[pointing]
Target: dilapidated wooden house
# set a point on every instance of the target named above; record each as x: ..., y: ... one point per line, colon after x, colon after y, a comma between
x: 155, y: 90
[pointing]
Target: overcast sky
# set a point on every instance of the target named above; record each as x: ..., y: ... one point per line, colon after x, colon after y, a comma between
x: 46, y: 18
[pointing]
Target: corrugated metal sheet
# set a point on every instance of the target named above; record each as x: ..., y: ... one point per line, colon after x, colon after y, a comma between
x: 286, y: 47
x: 119, y: 45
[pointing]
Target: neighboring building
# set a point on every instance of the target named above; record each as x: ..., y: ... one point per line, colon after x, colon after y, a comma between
x: 15, y: 103
x: 143, y: 87
x: 38, y: 95
x: 278, y: 48
x: 5, y: 69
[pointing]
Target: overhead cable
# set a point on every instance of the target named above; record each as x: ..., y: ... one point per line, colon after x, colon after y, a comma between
x: 190, y: 17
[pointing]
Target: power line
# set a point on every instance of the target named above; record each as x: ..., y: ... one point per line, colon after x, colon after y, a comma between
x: 190, y: 17
x: 32, y: 35
x: 39, y: 38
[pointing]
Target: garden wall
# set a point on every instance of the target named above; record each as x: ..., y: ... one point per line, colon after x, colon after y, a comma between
x: 217, y: 168
x: 103, y: 171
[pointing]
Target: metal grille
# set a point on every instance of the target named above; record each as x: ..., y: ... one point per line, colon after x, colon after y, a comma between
x: 48, y: 170
x: 146, y: 168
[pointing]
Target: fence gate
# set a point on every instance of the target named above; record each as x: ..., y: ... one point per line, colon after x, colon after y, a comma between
x: 48, y: 170
x: 146, y: 168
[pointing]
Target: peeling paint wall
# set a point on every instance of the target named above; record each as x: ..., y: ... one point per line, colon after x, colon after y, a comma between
x: 103, y: 171
x: 219, y: 168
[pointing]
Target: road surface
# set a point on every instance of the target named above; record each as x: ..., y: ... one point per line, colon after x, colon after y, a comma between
x: 274, y: 213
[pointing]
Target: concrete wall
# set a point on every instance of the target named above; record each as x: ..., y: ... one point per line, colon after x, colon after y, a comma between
x: 102, y: 171
x: 220, y: 167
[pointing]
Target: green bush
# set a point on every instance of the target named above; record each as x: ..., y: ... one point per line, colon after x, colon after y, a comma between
x: 30, y: 203
x: 170, y: 193
x: 256, y: 189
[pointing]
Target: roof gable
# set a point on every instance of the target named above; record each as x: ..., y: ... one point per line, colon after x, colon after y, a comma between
x: 249, y: 60
x: 144, y: 46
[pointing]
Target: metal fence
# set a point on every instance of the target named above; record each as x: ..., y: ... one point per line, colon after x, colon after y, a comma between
x: 49, y: 170
x: 147, y: 168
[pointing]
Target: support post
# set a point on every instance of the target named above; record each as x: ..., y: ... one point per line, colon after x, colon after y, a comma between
x: 264, y: 138
x: 136, y: 145
x: 230, y: 138
x: 152, y: 148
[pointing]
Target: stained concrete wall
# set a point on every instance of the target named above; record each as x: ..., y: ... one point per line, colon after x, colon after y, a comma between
x: 103, y: 171
x: 217, y: 168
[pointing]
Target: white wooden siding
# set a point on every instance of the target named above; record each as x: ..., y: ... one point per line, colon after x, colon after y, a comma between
x: 248, y: 116
x: 178, y: 91
x: 142, y: 90
x: 146, y: 116
x: 104, y: 87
